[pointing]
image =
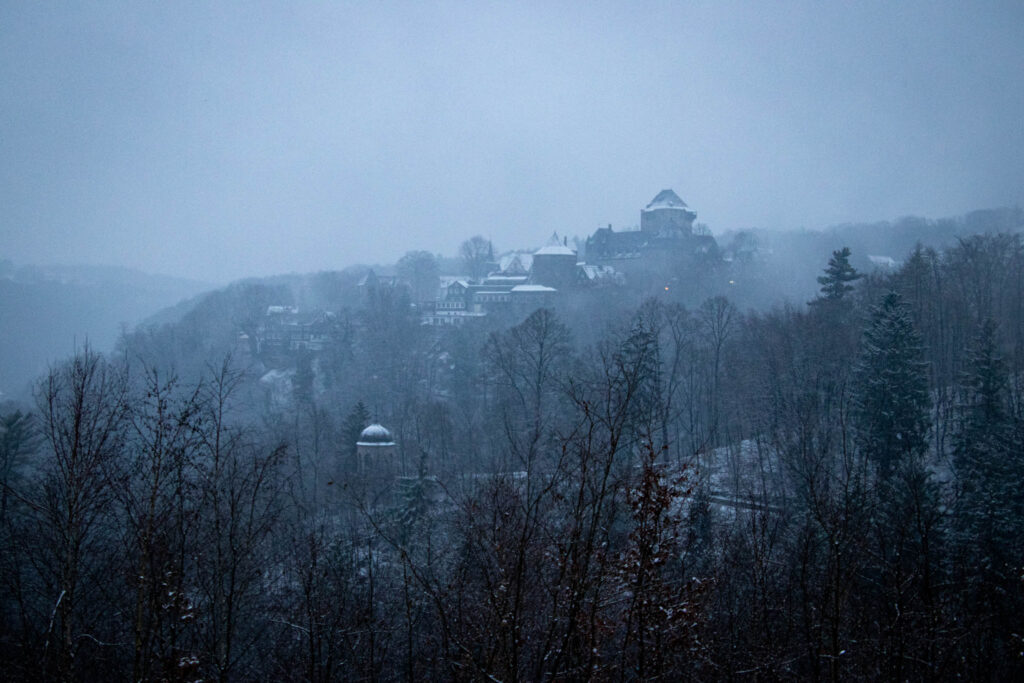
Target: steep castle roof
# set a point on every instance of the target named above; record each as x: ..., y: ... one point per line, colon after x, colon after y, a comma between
x: 666, y: 199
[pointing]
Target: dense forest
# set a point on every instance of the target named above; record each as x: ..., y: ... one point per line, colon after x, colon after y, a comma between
x: 684, y: 486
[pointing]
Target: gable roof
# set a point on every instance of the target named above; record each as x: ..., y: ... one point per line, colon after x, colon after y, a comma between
x: 515, y: 263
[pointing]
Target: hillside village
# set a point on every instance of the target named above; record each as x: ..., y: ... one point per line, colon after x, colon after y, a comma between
x: 517, y: 282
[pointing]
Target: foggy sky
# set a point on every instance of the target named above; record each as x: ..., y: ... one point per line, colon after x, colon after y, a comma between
x: 217, y: 141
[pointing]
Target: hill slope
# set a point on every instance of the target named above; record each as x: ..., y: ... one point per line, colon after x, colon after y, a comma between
x: 46, y: 311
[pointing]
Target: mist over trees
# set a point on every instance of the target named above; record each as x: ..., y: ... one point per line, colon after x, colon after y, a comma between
x: 626, y: 484
x: 46, y: 311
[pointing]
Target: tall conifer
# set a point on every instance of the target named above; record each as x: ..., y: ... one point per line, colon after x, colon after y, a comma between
x: 835, y: 283
x: 892, y: 402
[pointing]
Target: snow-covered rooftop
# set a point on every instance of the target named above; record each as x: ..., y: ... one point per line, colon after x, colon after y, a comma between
x: 554, y: 250
x: 515, y: 262
x: 504, y: 279
x: 274, y: 376
x: 448, y: 279
x: 533, y: 288
x: 595, y: 272
x: 667, y: 199
x: 883, y: 261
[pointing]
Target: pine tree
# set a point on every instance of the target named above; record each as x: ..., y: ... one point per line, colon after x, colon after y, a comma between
x: 984, y: 390
x: 835, y: 283
x: 415, y: 501
x: 988, y: 463
x: 892, y: 402
x: 892, y: 422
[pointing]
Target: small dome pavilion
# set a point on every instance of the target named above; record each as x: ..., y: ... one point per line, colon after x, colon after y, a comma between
x: 375, y: 452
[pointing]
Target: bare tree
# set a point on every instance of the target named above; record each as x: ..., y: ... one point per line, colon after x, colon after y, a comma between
x: 420, y: 270
x: 82, y: 406
x: 241, y: 487
x: 476, y: 253
x: 528, y: 366
x: 160, y: 501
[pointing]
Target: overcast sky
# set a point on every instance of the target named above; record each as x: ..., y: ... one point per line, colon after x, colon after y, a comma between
x: 217, y: 141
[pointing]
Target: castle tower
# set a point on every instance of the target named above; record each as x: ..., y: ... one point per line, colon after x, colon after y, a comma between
x: 667, y: 216
x: 554, y: 265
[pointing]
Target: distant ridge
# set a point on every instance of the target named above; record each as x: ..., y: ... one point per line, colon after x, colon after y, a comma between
x: 48, y: 310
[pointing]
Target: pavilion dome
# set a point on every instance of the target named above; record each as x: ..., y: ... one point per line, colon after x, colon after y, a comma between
x: 375, y: 435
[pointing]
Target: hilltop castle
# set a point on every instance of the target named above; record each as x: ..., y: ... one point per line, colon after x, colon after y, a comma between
x: 666, y: 225
x: 665, y: 246
x: 666, y: 242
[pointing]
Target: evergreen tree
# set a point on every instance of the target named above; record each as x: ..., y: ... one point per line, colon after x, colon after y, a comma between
x: 989, y: 464
x: 984, y: 391
x: 900, y: 582
x: 989, y: 522
x: 835, y: 283
x: 892, y: 402
x: 415, y: 501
